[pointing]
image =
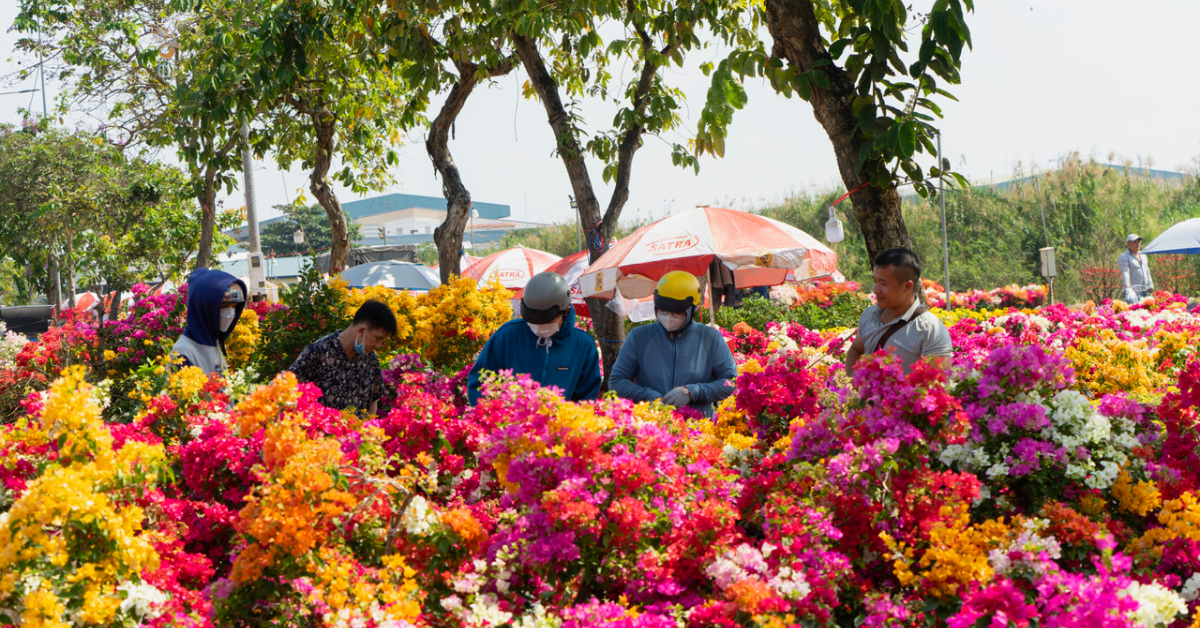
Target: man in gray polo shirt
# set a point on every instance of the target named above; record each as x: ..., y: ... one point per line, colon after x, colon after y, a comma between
x: 897, y: 322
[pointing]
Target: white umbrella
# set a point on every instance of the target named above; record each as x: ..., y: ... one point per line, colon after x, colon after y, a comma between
x: 392, y: 274
x: 1181, y: 239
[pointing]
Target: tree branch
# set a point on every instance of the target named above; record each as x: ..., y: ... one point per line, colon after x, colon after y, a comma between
x: 568, y: 146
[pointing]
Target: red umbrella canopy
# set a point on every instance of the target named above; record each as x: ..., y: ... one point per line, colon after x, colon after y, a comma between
x: 571, y: 267
x: 513, y: 267
x: 760, y: 251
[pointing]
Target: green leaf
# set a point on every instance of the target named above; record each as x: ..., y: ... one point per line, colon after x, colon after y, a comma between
x: 866, y: 117
x: 718, y: 144
x: 907, y: 136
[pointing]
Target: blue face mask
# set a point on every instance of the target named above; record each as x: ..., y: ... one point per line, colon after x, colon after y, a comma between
x: 359, y: 347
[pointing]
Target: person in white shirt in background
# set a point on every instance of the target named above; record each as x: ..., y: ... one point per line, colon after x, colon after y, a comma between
x: 1135, y: 270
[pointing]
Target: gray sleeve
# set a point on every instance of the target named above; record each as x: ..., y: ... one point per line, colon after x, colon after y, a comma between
x: 1146, y: 271
x: 625, y: 371
x: 1123, y: 263
x: 937, y: 339
x: 724, y: 373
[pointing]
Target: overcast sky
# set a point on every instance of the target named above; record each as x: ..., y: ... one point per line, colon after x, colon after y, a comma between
x: 1045, y: 78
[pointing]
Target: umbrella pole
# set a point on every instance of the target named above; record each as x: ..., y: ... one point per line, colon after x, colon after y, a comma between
x: 712, y: 305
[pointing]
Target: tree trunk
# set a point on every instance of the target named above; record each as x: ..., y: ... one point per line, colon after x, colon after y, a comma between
x: 208, y: 217
x: 70, y: 273
x: 797, y: 36
x: 114, y: 309
x: 52, y: 293
x: 449, y: 235
x: 608, y: 326
x: 339, y: 252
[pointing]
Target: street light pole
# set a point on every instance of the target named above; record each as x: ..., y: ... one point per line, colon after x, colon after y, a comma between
x: 942, y: 198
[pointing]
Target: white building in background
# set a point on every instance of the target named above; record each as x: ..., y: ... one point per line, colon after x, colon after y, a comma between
x: 412, y: 218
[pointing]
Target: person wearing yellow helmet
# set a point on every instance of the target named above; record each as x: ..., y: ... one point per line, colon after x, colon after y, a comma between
x: 675, y: 361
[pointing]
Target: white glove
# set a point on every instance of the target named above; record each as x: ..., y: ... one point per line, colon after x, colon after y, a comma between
x: 677, y: 397
x: 1130, y: 296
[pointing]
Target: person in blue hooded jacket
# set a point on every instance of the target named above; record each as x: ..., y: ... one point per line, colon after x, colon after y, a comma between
x: 544, y: 343
x: 676, y: 360
x: 215, y: 302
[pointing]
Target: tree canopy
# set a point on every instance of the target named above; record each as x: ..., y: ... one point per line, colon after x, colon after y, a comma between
x: 72, y: 201
x: 278, y: 237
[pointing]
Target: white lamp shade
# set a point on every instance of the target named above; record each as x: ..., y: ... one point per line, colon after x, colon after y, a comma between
x: 833, y: 229
x: 298, y: 237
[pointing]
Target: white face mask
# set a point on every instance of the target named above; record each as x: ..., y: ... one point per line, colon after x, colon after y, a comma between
x: 228, y: 314
x: 544, y: 331
x: 672, y: 321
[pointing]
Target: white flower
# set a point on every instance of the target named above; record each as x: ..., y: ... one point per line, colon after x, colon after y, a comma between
x: 724, y: 572
x: 140, y: 598
x: 952, y: 454
x: 1157, y: 605
x: 452, y: 603
x: 998, y: 469
x: 790, y: 584
x: 469, y: 583
x: 418, y: 518
x: 537, y: 618
x: 750, y: 558
x: 485, y: 612
x: 1097, y: 429
x: 1191, y: 588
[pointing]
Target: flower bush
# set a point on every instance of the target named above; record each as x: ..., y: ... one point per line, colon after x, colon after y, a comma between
x: 1050, y: 478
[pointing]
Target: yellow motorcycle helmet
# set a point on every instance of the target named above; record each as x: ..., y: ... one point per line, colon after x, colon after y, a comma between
x: 676, y: 292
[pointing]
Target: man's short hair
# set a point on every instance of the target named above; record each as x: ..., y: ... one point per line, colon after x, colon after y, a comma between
x: 901, y: 257
x: 377, y: 315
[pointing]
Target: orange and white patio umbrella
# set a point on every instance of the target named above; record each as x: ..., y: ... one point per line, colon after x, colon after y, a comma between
x: 513, y: 267
x: 759, y: 250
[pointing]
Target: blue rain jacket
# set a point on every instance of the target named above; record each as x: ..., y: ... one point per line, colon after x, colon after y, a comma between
x: 653, y: 362
x: 571, y: 362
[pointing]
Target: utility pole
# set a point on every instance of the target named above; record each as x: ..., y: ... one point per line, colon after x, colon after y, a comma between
x: 258, y: 274
x: 942, y: 197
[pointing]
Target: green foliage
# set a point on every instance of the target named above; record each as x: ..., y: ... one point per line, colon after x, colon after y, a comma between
x: 843, y: 310
x: 74, y: 199
x: 137, y: 60
x: 855, y: 62
x: 312, y: 309
x: 995, y: 233
x: 278, y: 238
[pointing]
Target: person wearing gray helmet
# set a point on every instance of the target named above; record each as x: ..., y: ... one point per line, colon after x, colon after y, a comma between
x: 544, y: 344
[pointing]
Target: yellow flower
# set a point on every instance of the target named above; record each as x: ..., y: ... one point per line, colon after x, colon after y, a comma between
x: 1139, y: 499
x: 244, y: 340
x: 76, y: 522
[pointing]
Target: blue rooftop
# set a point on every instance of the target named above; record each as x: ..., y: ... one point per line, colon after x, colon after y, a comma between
x: 393, y: 202
x: 277, y: 267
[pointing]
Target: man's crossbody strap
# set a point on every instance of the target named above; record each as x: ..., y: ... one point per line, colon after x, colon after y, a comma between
x: 887, y: 335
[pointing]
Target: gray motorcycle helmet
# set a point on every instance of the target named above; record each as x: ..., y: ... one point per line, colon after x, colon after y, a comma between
x: 546, y: 296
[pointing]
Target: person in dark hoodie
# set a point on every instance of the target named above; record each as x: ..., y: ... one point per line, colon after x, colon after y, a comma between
x: 214, y: 304
x: 676, y: 361
x: 544, y: 343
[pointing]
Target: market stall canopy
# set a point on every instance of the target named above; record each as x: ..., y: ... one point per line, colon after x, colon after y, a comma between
x: 392, y: 274
x: 759, y: 250
x: 513, y: 267
x: 1181, y: 239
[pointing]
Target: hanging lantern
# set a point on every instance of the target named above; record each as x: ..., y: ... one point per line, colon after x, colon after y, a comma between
x: 833, y: 228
